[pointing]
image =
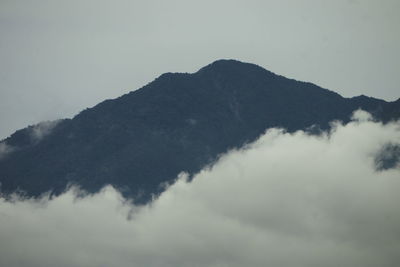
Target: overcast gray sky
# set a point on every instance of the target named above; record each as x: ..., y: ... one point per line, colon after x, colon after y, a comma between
x: 58, y: 57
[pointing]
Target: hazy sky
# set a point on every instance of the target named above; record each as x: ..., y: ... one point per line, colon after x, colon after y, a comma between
x: 272, y: 204
x: 58, y: 57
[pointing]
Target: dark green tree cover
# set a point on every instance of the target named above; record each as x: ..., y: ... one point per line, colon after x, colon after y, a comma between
x: 178, y: 122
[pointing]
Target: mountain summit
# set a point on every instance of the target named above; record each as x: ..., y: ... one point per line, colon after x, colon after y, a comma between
x: 179, y: 122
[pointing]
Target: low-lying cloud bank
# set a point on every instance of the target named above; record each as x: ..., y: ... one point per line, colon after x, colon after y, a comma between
x: 286, y: 200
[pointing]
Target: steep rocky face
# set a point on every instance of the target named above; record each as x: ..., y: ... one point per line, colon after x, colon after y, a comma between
x: 179, y: 122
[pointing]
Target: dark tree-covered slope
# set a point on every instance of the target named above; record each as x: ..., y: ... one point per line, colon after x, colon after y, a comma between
x: 178, y: 122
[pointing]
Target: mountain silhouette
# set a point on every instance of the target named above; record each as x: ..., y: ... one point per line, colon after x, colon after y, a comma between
x: 178, y: 122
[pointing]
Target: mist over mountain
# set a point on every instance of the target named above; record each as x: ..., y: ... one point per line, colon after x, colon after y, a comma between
x: 180, y: 122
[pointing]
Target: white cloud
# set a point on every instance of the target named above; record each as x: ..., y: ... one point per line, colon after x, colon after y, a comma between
x: 286, y: 200
x: 361, y: 115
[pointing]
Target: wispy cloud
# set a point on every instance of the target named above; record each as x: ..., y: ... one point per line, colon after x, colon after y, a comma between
x: 35, y: 134
x: 42, y: 129
x: 5, y: 149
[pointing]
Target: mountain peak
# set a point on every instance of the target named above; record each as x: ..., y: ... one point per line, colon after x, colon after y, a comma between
x: 225, y: 62
x: 231, y: 65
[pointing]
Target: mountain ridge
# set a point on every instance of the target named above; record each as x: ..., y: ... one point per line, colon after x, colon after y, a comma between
x: 178, y: 122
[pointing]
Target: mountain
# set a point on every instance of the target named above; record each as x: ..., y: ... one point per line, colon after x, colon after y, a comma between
x: 179, y: 122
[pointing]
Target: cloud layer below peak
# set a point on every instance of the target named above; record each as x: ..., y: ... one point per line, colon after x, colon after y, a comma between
x: 285, y: 200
